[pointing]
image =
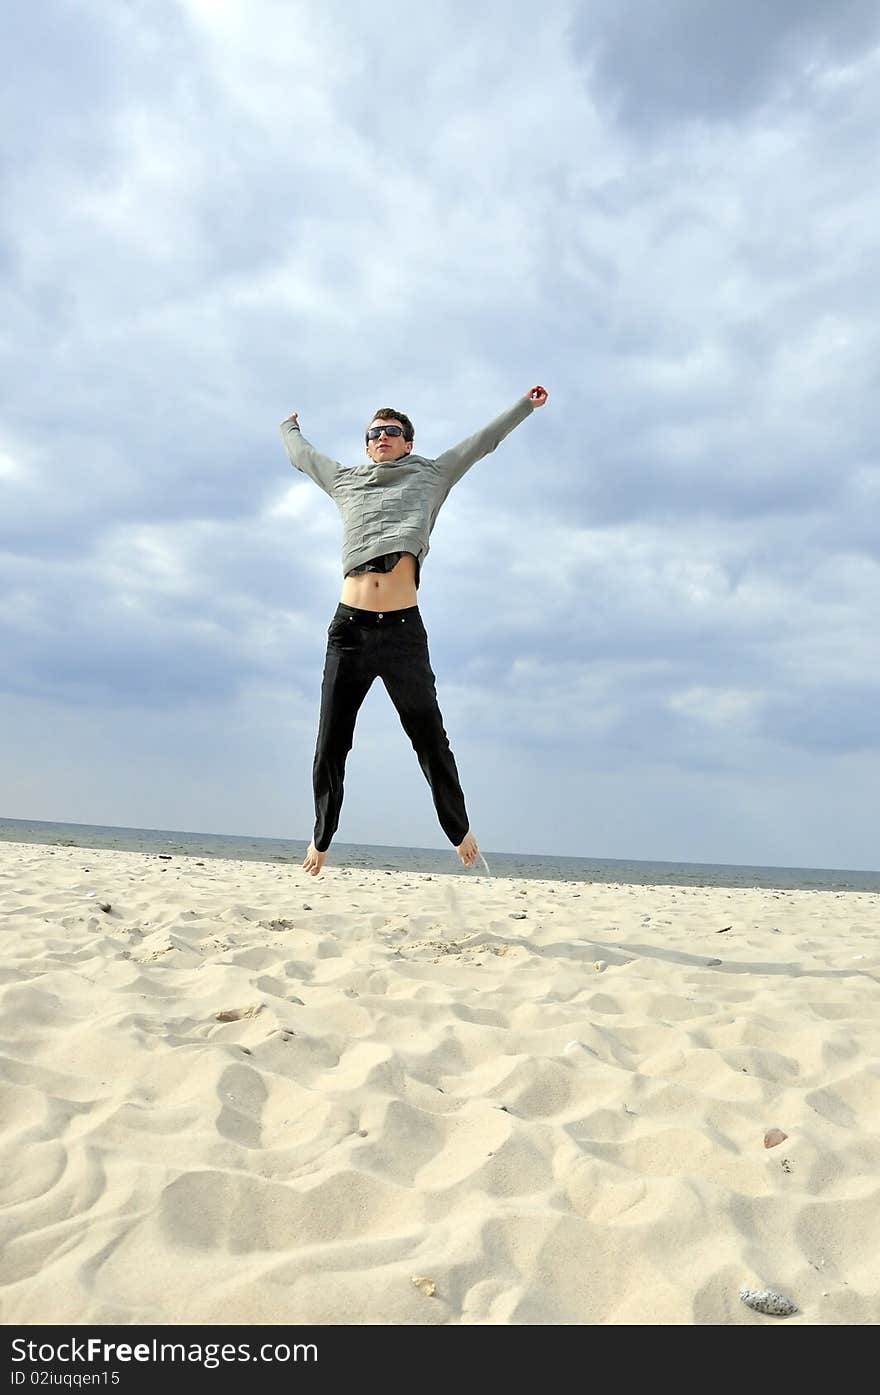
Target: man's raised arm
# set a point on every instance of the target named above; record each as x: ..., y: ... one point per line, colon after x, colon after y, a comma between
x: 455, y: 462
x: 304, y: 457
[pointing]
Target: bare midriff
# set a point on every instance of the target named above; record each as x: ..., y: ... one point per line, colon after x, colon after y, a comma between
x: 394, y: 590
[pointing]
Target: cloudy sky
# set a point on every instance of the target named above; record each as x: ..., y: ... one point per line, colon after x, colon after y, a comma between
x: 653, y: 612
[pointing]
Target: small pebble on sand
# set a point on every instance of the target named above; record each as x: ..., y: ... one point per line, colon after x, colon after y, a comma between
x: 768, y: 1301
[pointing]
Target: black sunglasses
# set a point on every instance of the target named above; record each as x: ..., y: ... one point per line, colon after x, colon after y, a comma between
x: 390, y: 430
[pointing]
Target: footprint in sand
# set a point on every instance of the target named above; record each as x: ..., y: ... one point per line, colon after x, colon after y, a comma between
x: 237, y: 1013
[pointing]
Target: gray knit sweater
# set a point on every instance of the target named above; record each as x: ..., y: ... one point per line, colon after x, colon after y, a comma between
x: 393, y: 507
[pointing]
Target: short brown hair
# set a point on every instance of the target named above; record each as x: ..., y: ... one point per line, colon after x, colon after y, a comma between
x: 389, y: 414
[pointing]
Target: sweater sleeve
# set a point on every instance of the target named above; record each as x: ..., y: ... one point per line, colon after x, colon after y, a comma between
x: 458, y: 460
x: 311, y: 462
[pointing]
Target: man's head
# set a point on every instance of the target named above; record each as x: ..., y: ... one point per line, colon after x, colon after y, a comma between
x: 389, y: 435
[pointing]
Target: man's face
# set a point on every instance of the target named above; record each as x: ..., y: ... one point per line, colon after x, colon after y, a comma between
x: 385, y: 447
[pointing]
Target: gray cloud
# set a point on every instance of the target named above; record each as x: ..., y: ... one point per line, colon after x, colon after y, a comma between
x: 826, y: 718
x: 687, y: 60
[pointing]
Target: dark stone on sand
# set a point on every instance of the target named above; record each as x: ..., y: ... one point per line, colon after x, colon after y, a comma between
x: 773, y: 1137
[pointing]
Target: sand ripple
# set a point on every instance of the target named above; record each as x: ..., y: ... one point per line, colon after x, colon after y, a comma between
x: 245, y: 1096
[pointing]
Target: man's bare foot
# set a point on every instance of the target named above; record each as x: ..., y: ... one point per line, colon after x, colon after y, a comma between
x: 467, y: 849
x: 313, y: 860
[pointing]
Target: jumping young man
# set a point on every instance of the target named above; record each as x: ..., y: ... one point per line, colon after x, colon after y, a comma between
x: 389, y: 508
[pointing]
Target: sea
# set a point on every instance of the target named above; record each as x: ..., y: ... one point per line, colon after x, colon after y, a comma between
x: 437, y: 861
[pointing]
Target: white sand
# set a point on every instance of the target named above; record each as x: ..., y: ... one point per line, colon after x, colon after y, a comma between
x: 416, y: 1082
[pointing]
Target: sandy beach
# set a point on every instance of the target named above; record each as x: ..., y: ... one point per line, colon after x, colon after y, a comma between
x: 232, y: 1093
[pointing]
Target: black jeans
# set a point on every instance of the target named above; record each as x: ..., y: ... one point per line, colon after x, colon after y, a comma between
x: 391, y: 645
